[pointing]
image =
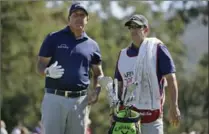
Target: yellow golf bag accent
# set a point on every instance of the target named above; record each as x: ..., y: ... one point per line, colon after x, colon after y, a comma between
x: 126, y: 121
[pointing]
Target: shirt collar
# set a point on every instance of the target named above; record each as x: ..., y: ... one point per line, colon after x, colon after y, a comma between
x: 133, y: 47
x: 68, y: 30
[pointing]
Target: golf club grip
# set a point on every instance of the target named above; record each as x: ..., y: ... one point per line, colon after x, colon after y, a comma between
x: 115, y: 83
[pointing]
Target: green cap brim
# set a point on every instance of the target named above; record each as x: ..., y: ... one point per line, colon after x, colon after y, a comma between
x: 135, y: 21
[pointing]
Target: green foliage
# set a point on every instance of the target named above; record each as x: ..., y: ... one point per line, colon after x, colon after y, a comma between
x: 23, y: 29
x: 192, y: 95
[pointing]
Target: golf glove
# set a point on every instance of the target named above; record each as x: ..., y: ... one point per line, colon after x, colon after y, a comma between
x: 54, y: 71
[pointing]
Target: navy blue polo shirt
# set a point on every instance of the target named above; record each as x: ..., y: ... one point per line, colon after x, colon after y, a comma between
x: 74, y: 55
x: 165, y: 63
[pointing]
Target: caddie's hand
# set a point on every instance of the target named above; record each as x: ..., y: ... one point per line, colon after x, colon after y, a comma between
x: 93, y: 96
x: 104, y: 81
x: 174, y: 115
x: 54, y: 71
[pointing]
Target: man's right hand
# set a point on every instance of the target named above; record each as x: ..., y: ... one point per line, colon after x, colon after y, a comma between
x: 54, y: 71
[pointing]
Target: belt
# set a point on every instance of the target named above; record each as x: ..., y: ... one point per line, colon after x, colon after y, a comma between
x: 69, y: 94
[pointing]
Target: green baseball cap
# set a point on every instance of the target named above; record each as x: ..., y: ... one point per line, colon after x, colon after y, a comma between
x: 138, y: 19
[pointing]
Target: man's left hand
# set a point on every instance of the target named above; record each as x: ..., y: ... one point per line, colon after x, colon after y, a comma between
x: 93, y: 96
x: 174, y: 115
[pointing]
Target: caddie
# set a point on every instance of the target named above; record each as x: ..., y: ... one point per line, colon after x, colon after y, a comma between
x: 148, y: 62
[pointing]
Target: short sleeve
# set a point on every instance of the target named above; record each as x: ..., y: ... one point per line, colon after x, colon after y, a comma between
x: 47, y: 47
x: 117, y: 73
x: 96, y: 56
x: 165, y: 61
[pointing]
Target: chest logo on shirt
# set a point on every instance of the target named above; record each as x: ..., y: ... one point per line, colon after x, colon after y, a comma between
x: 63, y: 46
x: 128, y: 77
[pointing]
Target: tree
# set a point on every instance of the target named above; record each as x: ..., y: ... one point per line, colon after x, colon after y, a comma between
x: 23, y: 28
x: 193, y: 94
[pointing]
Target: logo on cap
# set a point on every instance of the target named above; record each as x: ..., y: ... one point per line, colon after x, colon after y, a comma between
x: 134, y: 18
x: 77, y: 5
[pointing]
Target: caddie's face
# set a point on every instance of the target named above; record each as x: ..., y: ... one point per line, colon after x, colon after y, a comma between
x: 78, y: 19
x: 136, y: 30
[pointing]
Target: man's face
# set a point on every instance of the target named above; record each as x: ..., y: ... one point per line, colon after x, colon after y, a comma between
x: 137, y: 31
x: 78, y: 19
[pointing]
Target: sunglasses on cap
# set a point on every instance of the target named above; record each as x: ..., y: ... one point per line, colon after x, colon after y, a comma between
x: 135, y: 26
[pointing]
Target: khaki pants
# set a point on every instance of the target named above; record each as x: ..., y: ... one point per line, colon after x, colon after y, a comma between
x: 155, y: 127
x: 61, y: 115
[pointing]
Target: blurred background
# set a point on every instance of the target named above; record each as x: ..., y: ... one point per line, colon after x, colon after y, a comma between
x: 182, y: 26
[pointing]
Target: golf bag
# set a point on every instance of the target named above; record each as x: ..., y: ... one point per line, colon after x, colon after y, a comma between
x: 126, y: 121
